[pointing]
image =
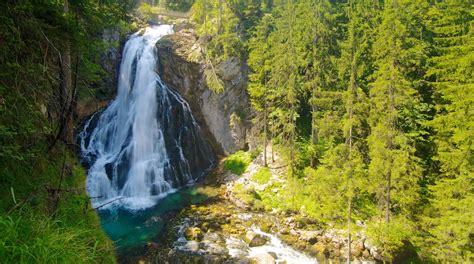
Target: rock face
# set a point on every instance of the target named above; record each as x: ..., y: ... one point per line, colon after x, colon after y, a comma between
x: 221, y: 115
x: 105, y: 88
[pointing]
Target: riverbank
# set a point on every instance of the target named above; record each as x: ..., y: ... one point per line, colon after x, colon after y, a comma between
x: 45, y: 216
x: 228, y: 228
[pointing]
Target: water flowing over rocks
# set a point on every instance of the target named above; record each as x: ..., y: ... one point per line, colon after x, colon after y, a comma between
x: 146, y: 143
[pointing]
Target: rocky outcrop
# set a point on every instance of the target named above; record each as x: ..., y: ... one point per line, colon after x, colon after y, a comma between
x: 105, y: 88
x: 221, y: 115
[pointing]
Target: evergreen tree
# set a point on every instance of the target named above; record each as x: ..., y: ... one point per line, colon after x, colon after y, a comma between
x: 449, y: 222
x: 394, y: 168
x: 284, y: 77
x: 353, y: 67
x: 316, y: 38
x: 258, y: 88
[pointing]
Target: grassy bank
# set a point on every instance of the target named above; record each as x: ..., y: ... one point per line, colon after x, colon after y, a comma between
x: 39, y: 224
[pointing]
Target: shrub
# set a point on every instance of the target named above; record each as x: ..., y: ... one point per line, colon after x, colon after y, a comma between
x: 238, y: 162
x: 262, y: 175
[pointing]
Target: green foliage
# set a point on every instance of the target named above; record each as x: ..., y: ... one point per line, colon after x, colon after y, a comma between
x: 44, y: 43
x: 249, y: 196
x: 388, y: 87
x: 448, y: 223
x: 390, y: 237
x: 238, y: 162
x: 34, y: 229
x: 262, y: 175
x: 180, y: 5
x: 30, y: 238
x: 219, y: 22
x: 146, y: 11
x: 212, y: 79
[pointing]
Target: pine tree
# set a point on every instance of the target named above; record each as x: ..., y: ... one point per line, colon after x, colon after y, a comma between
x: 258, y: 89
x: 394, y: 168
x: 316, y: 38
x: 449, y: 222
x: 353, y: 67
x: 284, y: 78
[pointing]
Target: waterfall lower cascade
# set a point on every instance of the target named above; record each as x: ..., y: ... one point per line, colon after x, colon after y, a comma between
x: 146, y: 143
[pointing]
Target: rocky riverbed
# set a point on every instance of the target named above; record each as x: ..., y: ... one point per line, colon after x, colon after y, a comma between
x: 223, y: 229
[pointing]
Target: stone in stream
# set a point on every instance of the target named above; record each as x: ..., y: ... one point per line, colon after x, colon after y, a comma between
x: 263, y: 258
x: 254, y: 239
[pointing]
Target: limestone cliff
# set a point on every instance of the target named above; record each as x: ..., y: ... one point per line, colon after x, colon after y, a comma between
x: 222, y: 115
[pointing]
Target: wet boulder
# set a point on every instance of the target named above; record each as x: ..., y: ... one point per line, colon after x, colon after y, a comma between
x: 263, y: 258
x: 254, y: 239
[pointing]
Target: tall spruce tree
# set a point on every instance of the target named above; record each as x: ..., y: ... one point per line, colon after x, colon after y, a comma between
x: 354, y: 64
x: 316, y: 38
x: 284, y: 77
x: 394, y: 169
x: 449, y: 222
x: 258, y: 88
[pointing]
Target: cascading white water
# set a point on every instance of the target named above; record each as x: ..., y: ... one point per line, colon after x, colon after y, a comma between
x: 135, y: 150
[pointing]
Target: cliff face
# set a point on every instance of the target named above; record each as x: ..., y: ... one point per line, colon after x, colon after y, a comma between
x: 221, y: 115
x: 103, y: 90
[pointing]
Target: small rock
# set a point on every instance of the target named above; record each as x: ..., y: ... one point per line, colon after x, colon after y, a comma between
x: 263, y: 258
x: 318, y: 249
x: 192, y: 246
x: 193, y: 233
x: 366, y: 254
x: 357, y: 249
x: 254, y: 239
x: 310, y: 236
x: 205, y: 226
x: 274, y: 255
x: 284, y: 231
x: 360, y: 224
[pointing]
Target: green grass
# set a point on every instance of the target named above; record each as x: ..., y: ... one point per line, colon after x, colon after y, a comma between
x: 31, y: 233
x: 238, y: 162
x: 262, y: 176
x: 28, y: 237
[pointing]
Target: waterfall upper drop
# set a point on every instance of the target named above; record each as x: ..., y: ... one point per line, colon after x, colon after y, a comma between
x: 146, y: 143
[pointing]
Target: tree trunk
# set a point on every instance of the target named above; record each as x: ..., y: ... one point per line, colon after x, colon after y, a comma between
x: 314, y: 137
x: 273, y: 152
x: 265, y: 139
x: 349, y: 216
x: 66, y: 85
x: 219, y: 18
x: 387, y: 210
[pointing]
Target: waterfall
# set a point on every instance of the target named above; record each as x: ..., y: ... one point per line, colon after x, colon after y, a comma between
x: 146, y: 143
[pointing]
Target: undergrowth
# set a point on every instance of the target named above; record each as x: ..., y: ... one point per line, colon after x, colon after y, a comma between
x: 238, y: 162
x: 36, y: 226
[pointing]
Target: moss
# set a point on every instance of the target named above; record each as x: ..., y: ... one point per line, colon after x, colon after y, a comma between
x: 238, y: 162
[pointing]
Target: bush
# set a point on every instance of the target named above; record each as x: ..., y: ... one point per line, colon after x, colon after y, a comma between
x: 391, y: 237
x: 262, y: 175
x: 238, y: 162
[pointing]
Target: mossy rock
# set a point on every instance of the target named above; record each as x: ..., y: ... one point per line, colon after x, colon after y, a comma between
x: 193, y: 233
x: 254, y: 239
